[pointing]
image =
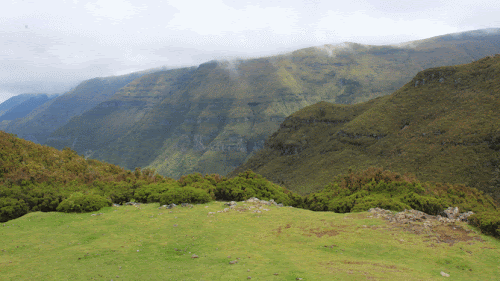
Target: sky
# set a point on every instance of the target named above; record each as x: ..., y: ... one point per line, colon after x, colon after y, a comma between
x: 50, y: 46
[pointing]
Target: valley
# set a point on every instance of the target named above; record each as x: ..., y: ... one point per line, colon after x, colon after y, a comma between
x: 356, y: 152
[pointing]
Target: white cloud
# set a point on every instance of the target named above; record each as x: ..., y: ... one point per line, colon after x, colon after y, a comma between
x: 84, y: 39
x: 113, y: 10
x: 360, y: 27
x: 217, y: 18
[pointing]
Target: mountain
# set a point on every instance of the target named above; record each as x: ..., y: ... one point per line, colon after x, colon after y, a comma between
x: 442, y: 126
x: 45, y: 119
x: 212, y: 118
x: 20, y: 106
x: 25, y: 107
x: 15, y: 101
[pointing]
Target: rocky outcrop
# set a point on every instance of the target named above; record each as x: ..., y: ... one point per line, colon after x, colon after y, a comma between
x: 409, y: 216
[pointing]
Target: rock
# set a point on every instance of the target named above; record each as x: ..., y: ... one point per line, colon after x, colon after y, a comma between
x: 194, y: 256
x: 132, y: 204
x: 233, y: 262
x: 230, y: 204
x: 465, y: 216
x: 445, y: 274
x: 451, y: 212
x: 173, y: 205
x: 408, y: 216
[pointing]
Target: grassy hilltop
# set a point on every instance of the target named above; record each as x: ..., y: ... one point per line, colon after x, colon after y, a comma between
x: 144, y: 243
x: 58, y: 223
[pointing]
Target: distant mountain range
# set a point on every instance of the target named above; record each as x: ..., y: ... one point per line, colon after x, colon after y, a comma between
x: 46, y: 118
x: 214, y: 117
x: 21, y: 105
x: 442, y: 126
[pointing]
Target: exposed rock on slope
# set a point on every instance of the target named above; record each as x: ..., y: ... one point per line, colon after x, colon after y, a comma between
x: 442, y: 126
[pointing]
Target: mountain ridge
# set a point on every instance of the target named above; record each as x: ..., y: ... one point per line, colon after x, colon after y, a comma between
x: 221, y: 112
x: 442, y: 126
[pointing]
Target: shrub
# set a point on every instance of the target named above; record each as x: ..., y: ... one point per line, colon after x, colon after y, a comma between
x: 247, y: 185
x: 120, y: 195
x: 426, y: 204
x: 366, y: 204
x: 358, y: 194
x: 187, y: 194
x: 79, y: 202
x: 487, y: 222
x: 12, y: 208
x: 153, y: 192
x: 206, y: 186
x: 190, y: 179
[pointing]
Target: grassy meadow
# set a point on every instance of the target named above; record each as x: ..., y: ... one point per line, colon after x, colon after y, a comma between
x: 146, y: 243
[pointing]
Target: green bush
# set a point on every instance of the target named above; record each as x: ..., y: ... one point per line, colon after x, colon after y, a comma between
x: 395, y: 196
x: 206, y: 186
x: 247, y: 185
x: 120, y: 196
x: 79, y: 202
x: 367, y: 203
x: 190, y: 179
x: 487, y: 222
x: 426, y: 204
x: 186, y: 194
x: 153, y: 192
x: 12, y: 208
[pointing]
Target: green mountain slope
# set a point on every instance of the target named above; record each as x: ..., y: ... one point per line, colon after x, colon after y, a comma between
x: 24, y: 108
x: 218, y: 115
x: 45, y: 119
x: 442, y: 126
x: 14, y: 101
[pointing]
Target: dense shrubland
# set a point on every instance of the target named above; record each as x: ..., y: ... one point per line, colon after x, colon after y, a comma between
x: 39, y: 178
x: 374, y: 187
x: 354, y: 192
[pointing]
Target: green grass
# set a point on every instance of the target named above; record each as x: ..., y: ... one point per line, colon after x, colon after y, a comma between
x: 139, y: 244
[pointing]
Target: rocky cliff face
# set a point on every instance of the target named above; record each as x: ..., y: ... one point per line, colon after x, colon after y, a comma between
x: 442, y: 126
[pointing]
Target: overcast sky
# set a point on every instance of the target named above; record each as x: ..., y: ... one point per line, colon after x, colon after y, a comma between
x: 47, y: 46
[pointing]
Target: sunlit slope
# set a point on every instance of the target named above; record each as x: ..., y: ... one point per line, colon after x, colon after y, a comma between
x: 217, y: 115
x: 442, y: 126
